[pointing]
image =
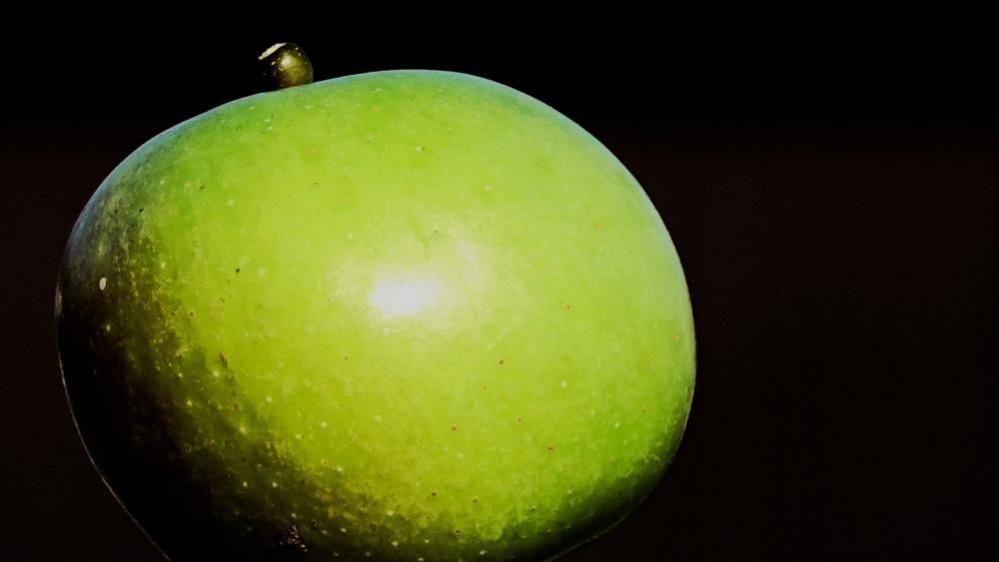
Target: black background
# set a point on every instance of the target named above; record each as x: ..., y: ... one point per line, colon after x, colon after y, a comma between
x: 834, y: 205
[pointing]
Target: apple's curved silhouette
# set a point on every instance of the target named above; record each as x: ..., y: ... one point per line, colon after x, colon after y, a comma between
x: 403, y: 315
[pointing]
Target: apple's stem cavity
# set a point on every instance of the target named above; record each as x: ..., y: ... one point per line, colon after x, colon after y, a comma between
x: 285, y: 65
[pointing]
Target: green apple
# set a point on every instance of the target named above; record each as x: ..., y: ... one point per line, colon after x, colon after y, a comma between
x: 407, y: 315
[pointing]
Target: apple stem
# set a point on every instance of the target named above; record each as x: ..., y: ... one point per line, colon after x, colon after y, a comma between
x: 285, y: 65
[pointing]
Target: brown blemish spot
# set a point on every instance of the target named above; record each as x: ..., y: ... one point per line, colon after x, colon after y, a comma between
x: 454, y: 428
x: 237, y: 270
x: 501, y: 361
x: 434, y: 494
x: 568, y: 306
x: 346, y: 357
x: 222, y: 358
x: 551, y: 447
x: 519, y: 419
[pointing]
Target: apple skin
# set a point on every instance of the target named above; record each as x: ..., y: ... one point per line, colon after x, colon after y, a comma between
x: 405, y: 315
